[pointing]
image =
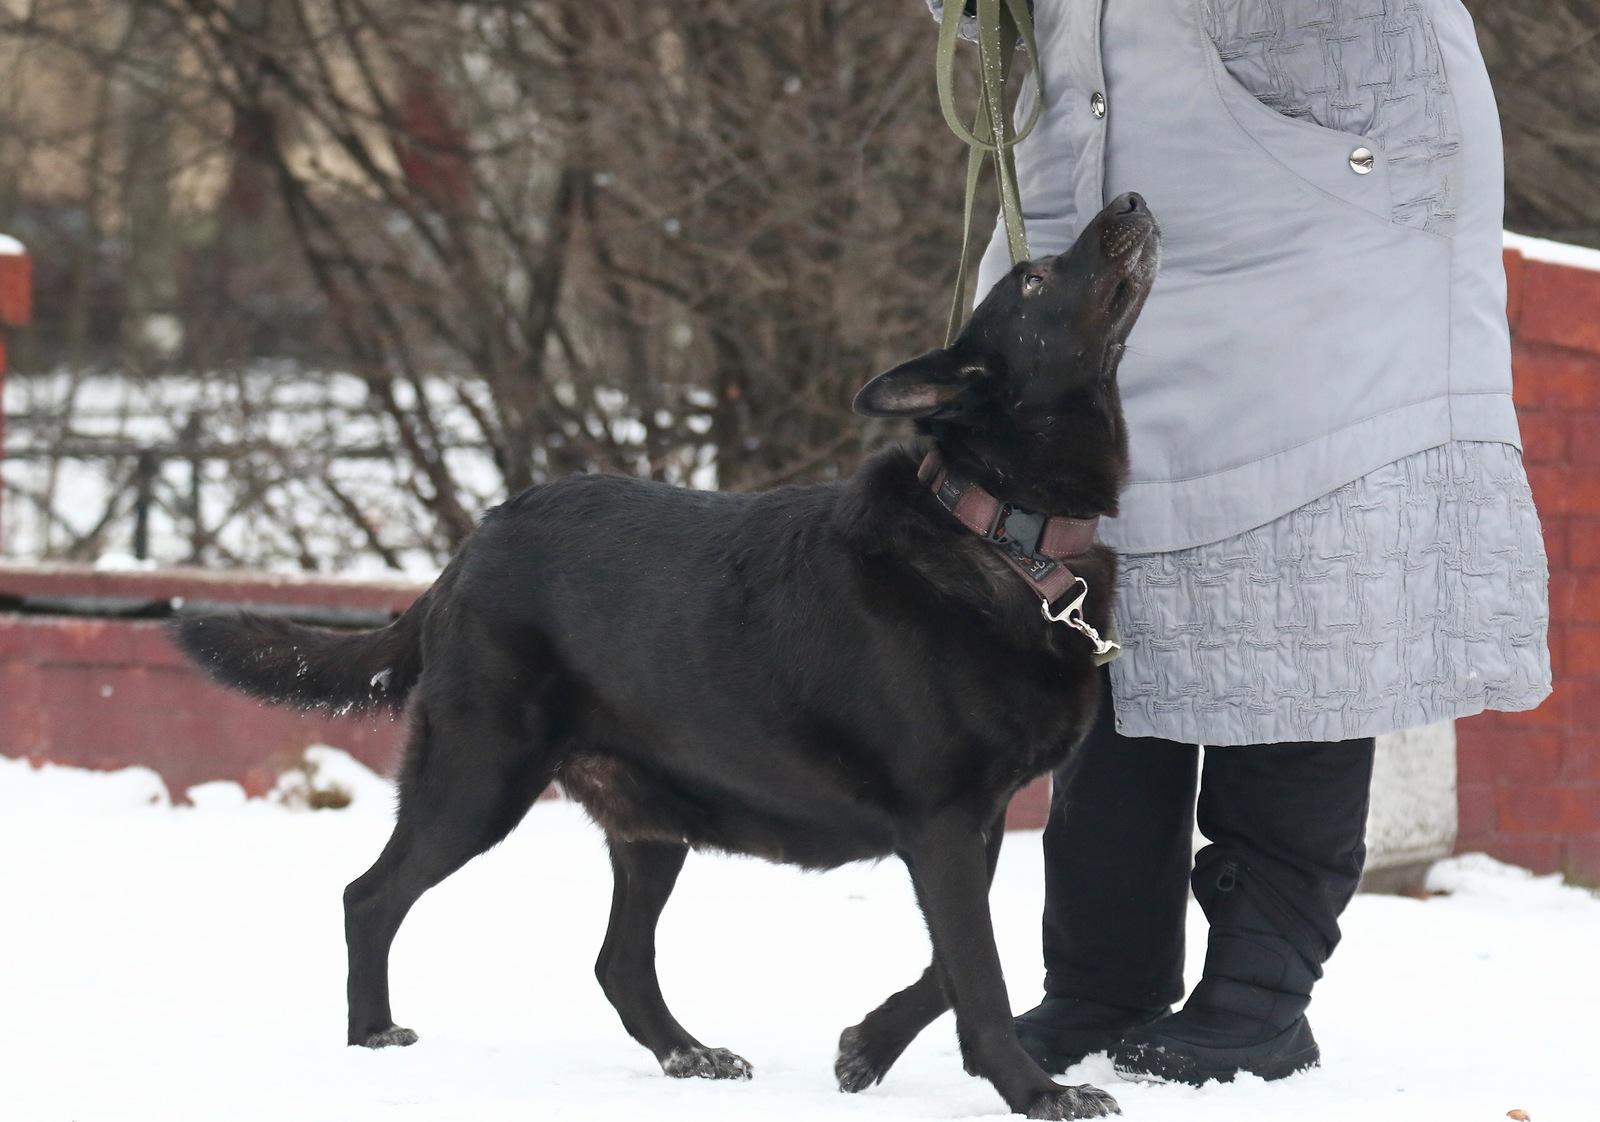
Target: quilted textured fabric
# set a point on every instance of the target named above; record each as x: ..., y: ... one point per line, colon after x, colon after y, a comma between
x: 1368, y: 67
x: 1415, y: 594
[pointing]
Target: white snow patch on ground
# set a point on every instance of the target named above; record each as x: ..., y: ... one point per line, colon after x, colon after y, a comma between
x: 47, y: 791
x: 188, y: 963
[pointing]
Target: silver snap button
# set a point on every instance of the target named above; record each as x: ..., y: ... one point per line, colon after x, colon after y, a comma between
x: 1361, y: 161
x: 1097, y: 105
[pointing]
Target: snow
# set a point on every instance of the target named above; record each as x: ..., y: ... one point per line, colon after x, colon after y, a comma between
x: 1555, y: 253
x: 10, y: 247
x: 172, y: 963
x: 287, y: 431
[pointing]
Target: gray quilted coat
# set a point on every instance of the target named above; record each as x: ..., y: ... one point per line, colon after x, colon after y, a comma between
x: 1327, y: 532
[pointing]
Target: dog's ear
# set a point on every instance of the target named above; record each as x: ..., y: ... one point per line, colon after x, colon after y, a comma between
x: 921, y: 386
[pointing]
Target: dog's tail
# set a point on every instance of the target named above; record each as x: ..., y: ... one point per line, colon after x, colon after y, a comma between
x: 309, y: 667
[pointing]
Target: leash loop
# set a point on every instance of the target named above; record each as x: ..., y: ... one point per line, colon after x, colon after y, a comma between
x: 1001, y: 25
x: 1072, y: 616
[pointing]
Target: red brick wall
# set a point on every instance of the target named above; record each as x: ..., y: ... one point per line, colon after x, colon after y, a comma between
x: 112, y: 693
x: 1529, y: 783
x: 16, y: 289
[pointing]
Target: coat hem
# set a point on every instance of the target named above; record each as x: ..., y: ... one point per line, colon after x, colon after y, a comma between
x: 1160, y: 516
x: 1329, y: 728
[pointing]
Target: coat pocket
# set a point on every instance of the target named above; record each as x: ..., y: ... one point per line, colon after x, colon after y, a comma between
x: 1349, y: 166
x: 1331, y: 91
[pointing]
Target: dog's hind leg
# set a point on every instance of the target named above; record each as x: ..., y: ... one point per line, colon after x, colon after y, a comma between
x: 463, y: 789
x: 948, y: 869
x: 868, y: 1050
x: 644, y: 874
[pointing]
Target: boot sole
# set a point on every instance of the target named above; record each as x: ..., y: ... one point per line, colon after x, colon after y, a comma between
x: 1175, y: 1061
x: 1158, y: 1068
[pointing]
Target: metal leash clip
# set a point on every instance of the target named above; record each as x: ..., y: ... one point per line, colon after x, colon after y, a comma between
x: 1072, y: 616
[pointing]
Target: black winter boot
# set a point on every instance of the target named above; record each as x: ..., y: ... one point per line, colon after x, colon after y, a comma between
x: 1246, y: 1014
x: 1061, y: 1031
x: 1286, y: 823
x: 1214, y: 1045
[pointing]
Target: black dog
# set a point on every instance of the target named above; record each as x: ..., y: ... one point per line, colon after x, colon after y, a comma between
x: 813, y: 675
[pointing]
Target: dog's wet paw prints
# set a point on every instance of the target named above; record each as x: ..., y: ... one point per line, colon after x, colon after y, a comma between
x: 706, y: 1063
x: 1082, y: 1101
x: 394, y: 1035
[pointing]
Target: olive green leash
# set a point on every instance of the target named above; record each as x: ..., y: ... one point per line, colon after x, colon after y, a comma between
x: 1002, y: 24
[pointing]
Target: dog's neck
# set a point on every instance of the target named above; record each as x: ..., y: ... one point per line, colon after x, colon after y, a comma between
x: 1070, y: 460
x: 1035, y: 546
x: 1014, y: 530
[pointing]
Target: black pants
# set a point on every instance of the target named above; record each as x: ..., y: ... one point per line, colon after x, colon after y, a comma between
x: 1287, y: 821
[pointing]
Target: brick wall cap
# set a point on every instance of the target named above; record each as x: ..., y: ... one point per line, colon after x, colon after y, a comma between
x: 1554, y: 253
x: 236, y: 585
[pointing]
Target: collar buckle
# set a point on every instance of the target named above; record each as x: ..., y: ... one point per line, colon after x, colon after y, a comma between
x: 1018, y: 530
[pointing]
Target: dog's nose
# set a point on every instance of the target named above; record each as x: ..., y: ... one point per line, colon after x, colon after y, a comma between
x: 1130, y: 203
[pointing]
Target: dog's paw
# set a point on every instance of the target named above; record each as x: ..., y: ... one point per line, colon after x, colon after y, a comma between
x: 1082, y: 1101
x: 706, y: 1063
x: 393, y: 1035
x: 859, y: 1065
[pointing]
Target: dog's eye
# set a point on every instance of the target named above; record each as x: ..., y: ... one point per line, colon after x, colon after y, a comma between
x: 1033, y: 282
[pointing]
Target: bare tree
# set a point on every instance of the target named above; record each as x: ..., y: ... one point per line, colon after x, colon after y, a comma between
x: 1544, y: 59
x: 663, y: 239
x: 796, y: 202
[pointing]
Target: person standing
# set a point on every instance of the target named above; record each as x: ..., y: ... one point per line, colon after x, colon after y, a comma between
x: 1327, y: 534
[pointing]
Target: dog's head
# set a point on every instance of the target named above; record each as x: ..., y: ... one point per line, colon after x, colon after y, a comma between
x: 1025, y: 401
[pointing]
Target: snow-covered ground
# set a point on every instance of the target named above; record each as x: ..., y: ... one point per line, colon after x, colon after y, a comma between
x: 187, y: 963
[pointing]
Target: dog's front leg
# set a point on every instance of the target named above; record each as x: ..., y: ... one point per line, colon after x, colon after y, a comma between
x: 948, y: 868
